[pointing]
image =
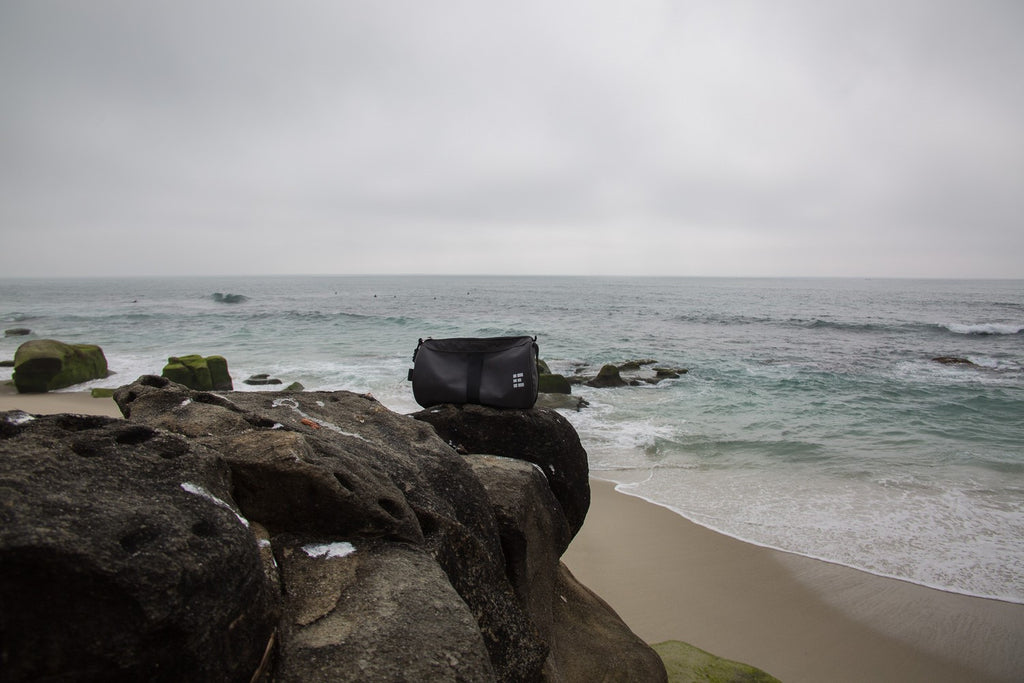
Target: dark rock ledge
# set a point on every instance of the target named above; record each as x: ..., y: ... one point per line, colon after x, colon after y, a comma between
x: 282, y: 536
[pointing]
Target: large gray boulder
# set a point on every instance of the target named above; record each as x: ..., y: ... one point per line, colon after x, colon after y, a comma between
x: 286, y: 537
x: 338, y: 465
x: 588, y: 640
x: 539, y: 435
x: 121, y: 557
x: 533, y: 530
x: 373, y: 611
x: 591, y: 643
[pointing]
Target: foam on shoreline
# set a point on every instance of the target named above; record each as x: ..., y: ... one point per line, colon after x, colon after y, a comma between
x: 628, y: 485
x: 798, y: 618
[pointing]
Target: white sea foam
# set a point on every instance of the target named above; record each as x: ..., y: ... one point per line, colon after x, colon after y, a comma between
x: 968, y: 539
x: 983, y: 328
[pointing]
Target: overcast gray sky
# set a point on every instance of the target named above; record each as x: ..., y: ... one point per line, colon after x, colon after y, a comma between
x: 711, y: 137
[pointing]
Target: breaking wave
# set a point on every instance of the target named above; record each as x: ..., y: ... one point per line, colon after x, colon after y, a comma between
x: 983, y: 328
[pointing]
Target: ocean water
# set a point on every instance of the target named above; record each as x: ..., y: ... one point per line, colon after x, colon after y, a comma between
x: 813, y: 418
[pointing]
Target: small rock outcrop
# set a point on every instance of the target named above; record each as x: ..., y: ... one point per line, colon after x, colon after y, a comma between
x: 42, y: 365
x: 952, y: 360
x: 17, y: 332
x: 222, y: 298
x: 283, y: 536
x: 196, y: 372
x: 636, y: 364
x: 632, y: 373
x: 540, y: 436
x: 608, y: 376
x: 261, y: 379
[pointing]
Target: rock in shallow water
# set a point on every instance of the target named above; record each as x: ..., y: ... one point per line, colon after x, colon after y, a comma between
x: 197, y: 372
x: 43, y: 365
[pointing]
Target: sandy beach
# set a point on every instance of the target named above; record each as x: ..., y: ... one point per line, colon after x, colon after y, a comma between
x: 52, y: 403
x: 797, y: 618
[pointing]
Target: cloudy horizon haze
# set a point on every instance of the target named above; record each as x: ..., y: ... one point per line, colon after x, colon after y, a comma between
x: 725, y: 138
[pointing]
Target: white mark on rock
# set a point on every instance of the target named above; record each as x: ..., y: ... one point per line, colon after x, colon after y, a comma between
x: 197, y: 490
x: 329, y: 550
x: 294, y: 405
x: 19, y: 418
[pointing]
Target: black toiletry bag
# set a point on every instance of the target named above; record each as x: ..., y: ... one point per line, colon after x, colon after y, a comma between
x: 492, y: 371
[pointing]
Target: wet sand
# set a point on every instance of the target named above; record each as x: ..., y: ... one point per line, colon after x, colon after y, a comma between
x: 52, y: 403
x: 797, y: 618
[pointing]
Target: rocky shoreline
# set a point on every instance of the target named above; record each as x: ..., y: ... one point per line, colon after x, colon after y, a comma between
x: 299, y: 537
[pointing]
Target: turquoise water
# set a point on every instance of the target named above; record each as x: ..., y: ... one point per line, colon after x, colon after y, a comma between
x: 813, y: 418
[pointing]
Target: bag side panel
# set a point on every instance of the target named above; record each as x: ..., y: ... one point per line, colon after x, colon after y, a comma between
x: 439, y: 377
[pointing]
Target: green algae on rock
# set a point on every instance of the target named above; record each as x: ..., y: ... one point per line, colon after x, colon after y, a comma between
x: 688, y: 664
x: 42, y: 365
x: 549, y: 383
x: 197, y: 372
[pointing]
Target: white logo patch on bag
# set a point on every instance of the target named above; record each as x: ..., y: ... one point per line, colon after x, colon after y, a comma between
x: 517, y: 380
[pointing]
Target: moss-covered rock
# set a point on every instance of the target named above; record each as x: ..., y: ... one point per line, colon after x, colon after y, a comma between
x: 219, y: 375
x: 549, y: 383
x: 542, y: 367
x: 45, y: 364
x: 197, y: 372
x: 688, y: 664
